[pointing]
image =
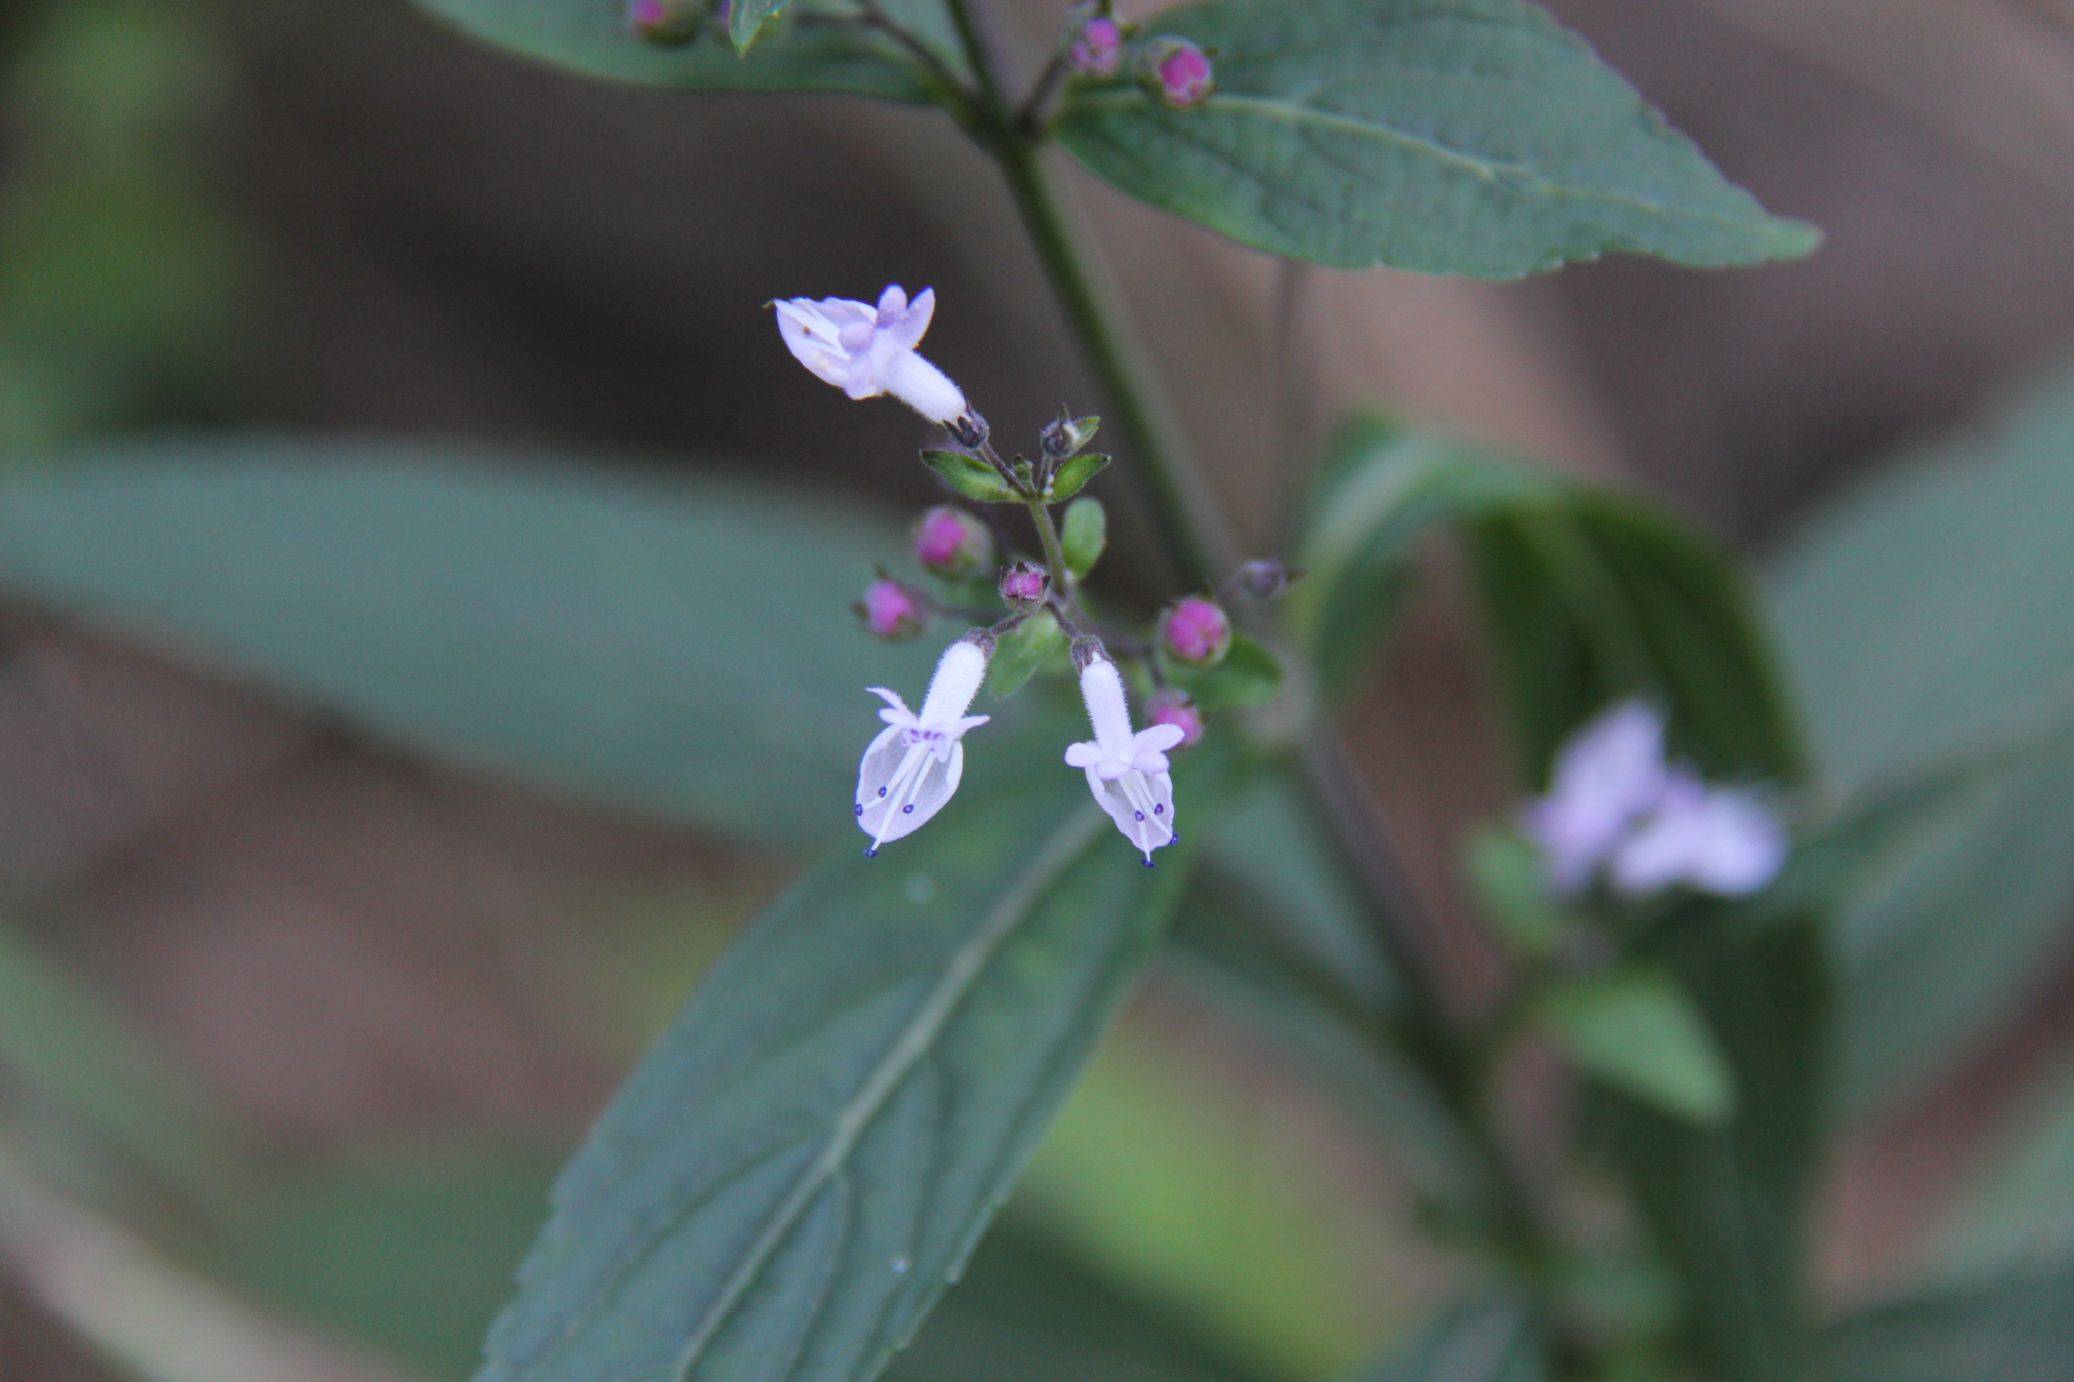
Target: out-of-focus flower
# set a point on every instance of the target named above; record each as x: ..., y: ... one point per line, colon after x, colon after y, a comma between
x: 951, y: 542
x: 1196, y: 631
x: 1176, y: 709
x: 1609, y: 774
x: 1127, y: 772
x: 1097, y: 50
x: 866, y: 351
x: 913, y: 766
x: 893, y: 611
x: 1719, y: 840
x: 668, y: 23
x: 1181, y: 73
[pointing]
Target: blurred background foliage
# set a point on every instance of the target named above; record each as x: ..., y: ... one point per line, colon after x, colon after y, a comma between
x: 300, y: 1008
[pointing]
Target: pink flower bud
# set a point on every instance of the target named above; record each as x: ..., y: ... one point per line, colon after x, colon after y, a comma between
x: 1097, y: 50
x: 1196, y: 631
x: 669, y: 23
x: 1023, y: 586
x: 1181, y: 73
x: 951, y: 542
x: 893, y: 611
x: 1174, y: 708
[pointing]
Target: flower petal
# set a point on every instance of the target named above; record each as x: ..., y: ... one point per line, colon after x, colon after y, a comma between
x: 890, y: 697
x: 915, y: 796
x: 1159, y: 738
x: 1083, y: 755
x: 1142, y: 807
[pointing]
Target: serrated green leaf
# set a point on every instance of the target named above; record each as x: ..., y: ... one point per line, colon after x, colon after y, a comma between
x: 1472, y: 137
x: 1083, y: 535
x: 1637, y: 1030
x: 1923, y: 612
x: 971, y: 477
x: 804, y: 1162
x: 1248, y: 676
x: 678, y: 647
x: 1074, y: 474
x: 592, y: 38
x: 1022, y: 651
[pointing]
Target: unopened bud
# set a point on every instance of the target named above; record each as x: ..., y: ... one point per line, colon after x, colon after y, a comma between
x: 1023, y: 586
x: 892, y: 611
x: 1181, y: 73
x: 1097, y: 49
x: 1196, y: 631
x: 667, y: 23
x: 1265, y: 578
x: 1176, y: 709
x: 1066, y: 434
x: 951, y: 542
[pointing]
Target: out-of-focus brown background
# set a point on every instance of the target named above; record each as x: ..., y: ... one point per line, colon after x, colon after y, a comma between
x: 339, y: 217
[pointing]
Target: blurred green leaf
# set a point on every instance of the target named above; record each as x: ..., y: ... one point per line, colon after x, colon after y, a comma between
x: 1636, y: 1030
x: 1022, y: 651
x: 2017, y: 1211
x: 1074, y: 475
x: 806, y: 1159
x: 679, y: 646
x: 1083, y: 535
x: 2018, y: 1327
x: 1490, y: 1339
x: 1477, y: 137
x: 1925, y: 611
x: 1247, y: 676
x: 62, y: 1042
x: 817, y: 47
x: 1510, y: 879
x: 1031, y: 1310
x: 970, y: 476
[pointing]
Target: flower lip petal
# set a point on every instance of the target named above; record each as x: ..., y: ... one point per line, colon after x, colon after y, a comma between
x: 1160, y: 738
x: 1083, y: 755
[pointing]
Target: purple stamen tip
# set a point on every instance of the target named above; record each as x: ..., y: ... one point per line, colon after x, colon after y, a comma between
x: 1139, y: 814
x: 872, y: 853
x: 908, y: 810
x: 860, y: 809
x: 1159, y: 810
x: 1148, y: 861
x: 882, y: 791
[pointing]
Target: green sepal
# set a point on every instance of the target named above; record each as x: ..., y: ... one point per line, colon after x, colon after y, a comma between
x: 1083, y: 535
x: 970, y: 476
x: 1637, y: 1030
x: 1248, y: 676
x: 1073, y: 475
x: 1509, y: 877
x: 1021, y: 651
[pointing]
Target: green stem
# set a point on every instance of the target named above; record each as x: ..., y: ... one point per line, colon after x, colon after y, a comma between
x: 1054, y: 550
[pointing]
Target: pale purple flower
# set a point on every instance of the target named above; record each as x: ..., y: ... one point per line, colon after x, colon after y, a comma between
x: 1127, y: 772
x: 1719, y: 840
x: 866, y: 351
x: 1606, y: 778
x: 913, y: 766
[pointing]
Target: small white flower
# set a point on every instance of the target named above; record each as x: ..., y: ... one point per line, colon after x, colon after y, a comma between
x: 1127, y: 772
x: 866, y: 351
x: 914, y: 764
x: 1609, y: 774
x: 1719, y: 840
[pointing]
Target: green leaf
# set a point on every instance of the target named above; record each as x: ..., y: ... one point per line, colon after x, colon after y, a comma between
x: 1510, y: 879
x: 2021, y: 1326
x: 1471, y: 137
x: 1022, y: 651
x: 1923, y: 613
x: 1636, y: 1030
x: 806, y: 1159
x: 1248, y: 676
x: 2016, y: 1211
x: 746, y: 19
x: 1083, y: 535
x: 592, y: 38
x: 1073, y: 476
x: 679, y: 647
x: 1488, y: 1339
x: 971, y: 477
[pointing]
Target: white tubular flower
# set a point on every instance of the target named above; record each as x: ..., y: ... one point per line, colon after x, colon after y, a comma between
x: 1719, y: 840
x: 1127, y: 772
x: 866, y: 351
x: 914, y: 764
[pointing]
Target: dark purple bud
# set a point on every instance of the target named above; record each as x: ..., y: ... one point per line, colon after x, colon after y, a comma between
x: 1265, y: 578
x: 893, y: 611
x: 1023, y: 586
x: 1195, y: 630
x: 951, y: 542
x: 667, y: 23
x: 1174, y: 708
x: 1097, y: 50
x: 1181, y: 73
x: 1066, y: 435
